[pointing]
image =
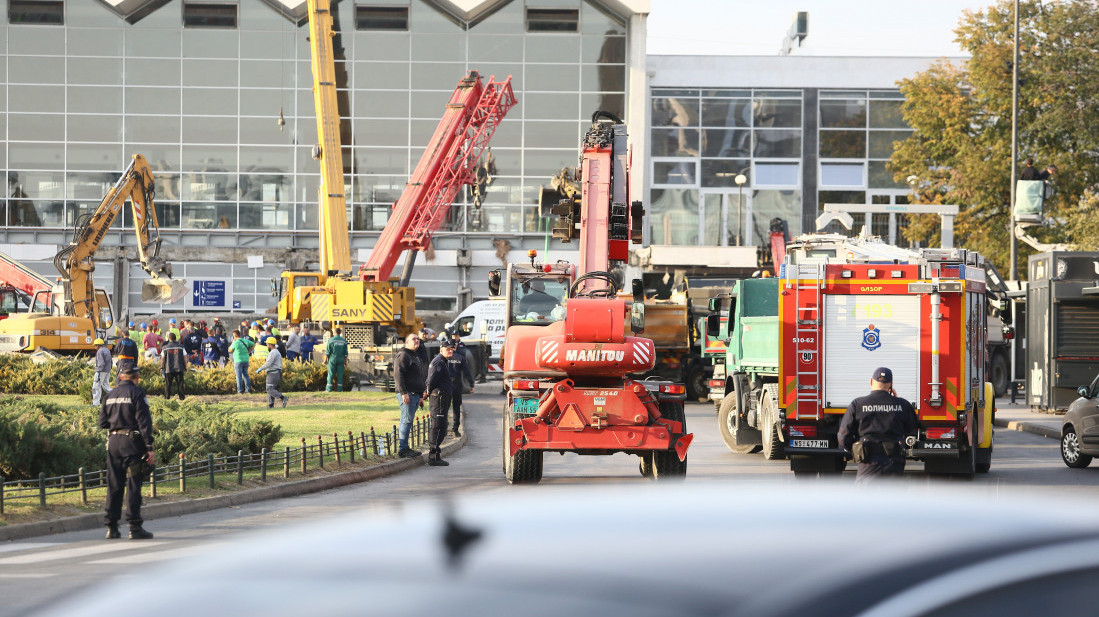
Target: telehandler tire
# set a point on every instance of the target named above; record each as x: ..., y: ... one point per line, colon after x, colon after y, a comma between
x: 666, y: 463
x: 526, y: 466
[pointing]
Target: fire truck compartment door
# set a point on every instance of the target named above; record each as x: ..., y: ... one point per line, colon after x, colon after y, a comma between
x: 863, y: 332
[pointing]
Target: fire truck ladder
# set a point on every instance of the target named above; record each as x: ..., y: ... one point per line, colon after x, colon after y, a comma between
x: 807, y: 339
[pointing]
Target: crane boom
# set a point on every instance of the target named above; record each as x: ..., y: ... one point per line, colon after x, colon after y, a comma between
x: 335, y: 251
x: 472, y: 115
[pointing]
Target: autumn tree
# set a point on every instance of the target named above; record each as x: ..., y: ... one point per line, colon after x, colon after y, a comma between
x: 960, y: 150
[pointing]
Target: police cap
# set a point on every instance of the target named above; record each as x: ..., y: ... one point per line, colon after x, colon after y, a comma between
x: 447, y: 343
x: 883, y: 375
x: 130, y: 372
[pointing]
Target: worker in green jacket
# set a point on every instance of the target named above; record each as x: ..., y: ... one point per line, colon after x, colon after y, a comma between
x: 336, y: 350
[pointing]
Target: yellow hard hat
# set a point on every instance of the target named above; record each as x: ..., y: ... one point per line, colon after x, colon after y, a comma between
x: 97, y: 341
x: 271, y: 341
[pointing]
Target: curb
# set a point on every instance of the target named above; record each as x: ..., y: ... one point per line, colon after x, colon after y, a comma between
x: 84, y: 522
x: 1030, y: 427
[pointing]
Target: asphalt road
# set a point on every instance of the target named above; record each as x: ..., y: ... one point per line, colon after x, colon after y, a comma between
x: 37, y: 572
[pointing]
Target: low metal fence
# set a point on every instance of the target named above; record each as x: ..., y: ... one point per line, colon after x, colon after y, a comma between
x: 331, y: 451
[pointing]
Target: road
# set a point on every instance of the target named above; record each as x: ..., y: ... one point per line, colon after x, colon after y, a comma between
x: 37, y: 572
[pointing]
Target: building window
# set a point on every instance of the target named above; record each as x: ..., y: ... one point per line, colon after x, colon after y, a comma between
x: 553, y: 20
x: 36, y: 12
x: 381, y: 18
x: 209, y: 15
x: 842, y: 174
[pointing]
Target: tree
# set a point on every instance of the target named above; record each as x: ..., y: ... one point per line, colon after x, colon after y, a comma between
x: 960, y: 150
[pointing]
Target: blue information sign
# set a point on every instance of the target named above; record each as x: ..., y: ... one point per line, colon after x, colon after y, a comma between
x: 208, y: 294
x: 236, y: 304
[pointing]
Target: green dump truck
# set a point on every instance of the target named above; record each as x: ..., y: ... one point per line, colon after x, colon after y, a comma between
x: 748, y: 366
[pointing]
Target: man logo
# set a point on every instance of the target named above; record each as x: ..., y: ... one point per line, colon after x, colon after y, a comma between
x: 871, y: 338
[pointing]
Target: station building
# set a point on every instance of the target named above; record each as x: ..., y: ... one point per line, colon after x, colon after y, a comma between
x: 218, y: 97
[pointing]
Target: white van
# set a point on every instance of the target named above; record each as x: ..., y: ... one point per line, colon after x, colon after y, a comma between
x: 484, y: 320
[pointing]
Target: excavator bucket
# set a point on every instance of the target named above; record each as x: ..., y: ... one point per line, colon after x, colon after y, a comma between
x: 163, y: 290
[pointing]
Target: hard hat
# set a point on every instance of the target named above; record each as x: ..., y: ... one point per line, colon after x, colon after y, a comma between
x: 131, y: 324
x: 97, y: 341
x: 172, y: 320
x: 144, y: 325
x: 155, y: 323
x: 255, y: 323
x: 271, y: 341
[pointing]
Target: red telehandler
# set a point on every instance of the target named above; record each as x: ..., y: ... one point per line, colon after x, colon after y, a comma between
x: 568, y: 361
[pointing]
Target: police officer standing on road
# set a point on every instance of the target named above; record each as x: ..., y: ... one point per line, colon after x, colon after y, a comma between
x: 125, y: 414
x: 875, y: 426
x: 458, y: 368
x: 439, y: 390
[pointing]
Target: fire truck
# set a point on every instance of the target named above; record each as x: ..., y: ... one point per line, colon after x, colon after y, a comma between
x: 569, y: 364
x: 847, y: 306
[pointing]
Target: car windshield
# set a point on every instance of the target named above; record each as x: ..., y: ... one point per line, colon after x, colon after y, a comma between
x: 539, y: 301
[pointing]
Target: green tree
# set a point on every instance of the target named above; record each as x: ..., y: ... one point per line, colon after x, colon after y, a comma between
x: 960, y: 151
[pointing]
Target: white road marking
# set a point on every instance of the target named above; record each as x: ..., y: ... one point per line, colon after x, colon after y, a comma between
x: 25, y: 575
x: 154, y: 556
x: 82, y: 551
x: 11, y: 548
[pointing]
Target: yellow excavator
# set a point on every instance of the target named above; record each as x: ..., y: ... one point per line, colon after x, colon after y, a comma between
x: 78, y: 312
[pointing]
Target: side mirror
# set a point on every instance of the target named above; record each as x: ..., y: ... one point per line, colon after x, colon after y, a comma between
x: 715, y: 304
x: 638, y: 290
x: 1084, y: 391
x: 637, y: 317
x: 494, y: 283
x: 713, y: 325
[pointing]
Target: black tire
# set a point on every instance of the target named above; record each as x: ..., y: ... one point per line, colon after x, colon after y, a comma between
x: 968, y: 464
x: 646, y: 465
x: 727, y: 420
x: 1070, y: 449
x: 768, y: 427
x: 984, y: 460
x: 697, y: 386
x: 526, y: 466
x: 998, y: 374
x: 666, y: 463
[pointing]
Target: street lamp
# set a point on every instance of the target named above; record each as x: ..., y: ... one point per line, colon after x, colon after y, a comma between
x: 740, y: 179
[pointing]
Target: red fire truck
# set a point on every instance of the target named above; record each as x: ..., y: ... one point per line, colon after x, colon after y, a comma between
x: 848, y: 306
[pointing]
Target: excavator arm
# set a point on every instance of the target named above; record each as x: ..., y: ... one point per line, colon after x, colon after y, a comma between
x: 76, y: 262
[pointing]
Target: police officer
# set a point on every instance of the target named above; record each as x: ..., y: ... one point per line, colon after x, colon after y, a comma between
x: 439, y: 390
x: 458, y: 368
x: 875, y: 426
x: 125, y: 414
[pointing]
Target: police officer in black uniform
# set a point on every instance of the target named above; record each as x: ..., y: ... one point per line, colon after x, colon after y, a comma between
x: 125, y: 414
x: 458, y: 368
x: 875, y: 426
x: 439, y: 389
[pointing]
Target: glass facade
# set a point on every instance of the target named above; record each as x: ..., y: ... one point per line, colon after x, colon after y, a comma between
x: 779, y: 143
x: 222, y: 108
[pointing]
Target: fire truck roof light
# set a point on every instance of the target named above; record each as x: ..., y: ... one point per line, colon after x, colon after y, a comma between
x: 547, y: 268
x: 847, y: 274
x: 897, y: 274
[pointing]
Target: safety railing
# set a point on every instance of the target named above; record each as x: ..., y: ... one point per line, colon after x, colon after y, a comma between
x: 323, y: 453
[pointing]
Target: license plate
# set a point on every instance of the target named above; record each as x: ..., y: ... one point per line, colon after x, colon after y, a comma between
x: 808, y: 443
x: 525, y: 406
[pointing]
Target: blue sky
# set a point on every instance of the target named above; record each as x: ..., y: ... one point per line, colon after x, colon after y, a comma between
x: 836, y: 27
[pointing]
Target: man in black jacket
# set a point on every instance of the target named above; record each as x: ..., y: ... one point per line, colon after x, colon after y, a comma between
x: 125, y: 414
x: 439, y: 389
x: 173, y: 364
x: 458, y: 367
x: 408, y: 375
x: 875, y: 426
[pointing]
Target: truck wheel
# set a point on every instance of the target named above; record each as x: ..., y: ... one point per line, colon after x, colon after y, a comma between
x: 1070, y: 449
x: 666, y: 464
x: 728, y: 419
x: 768, y: 427
x: 526, y: 466
x: 998, y: 374
x: 697, y: 386
x: 984, y: 460
x: 646, y: 465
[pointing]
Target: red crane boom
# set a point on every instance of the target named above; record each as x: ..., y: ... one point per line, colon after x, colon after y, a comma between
x: 471, y: 117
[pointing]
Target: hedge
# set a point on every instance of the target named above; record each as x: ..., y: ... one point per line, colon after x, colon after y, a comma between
x: 41, y: 436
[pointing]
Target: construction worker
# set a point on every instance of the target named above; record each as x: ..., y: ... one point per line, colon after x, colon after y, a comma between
x: 135, y: 334
x: 273, y: 367
x: 125, y: 353
x: 173, y: 364
x: 125, y: 414
x: 439, y: 389
x: 875, y: 426
x: 101, y: 381
x: 336, y: 351
x: 172, y: 329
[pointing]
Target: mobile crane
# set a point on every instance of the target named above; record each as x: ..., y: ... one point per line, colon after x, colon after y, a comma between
x: 19, y: 285
x: 80, y: 313
x: 568, y: 363
x: 373, y: 310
